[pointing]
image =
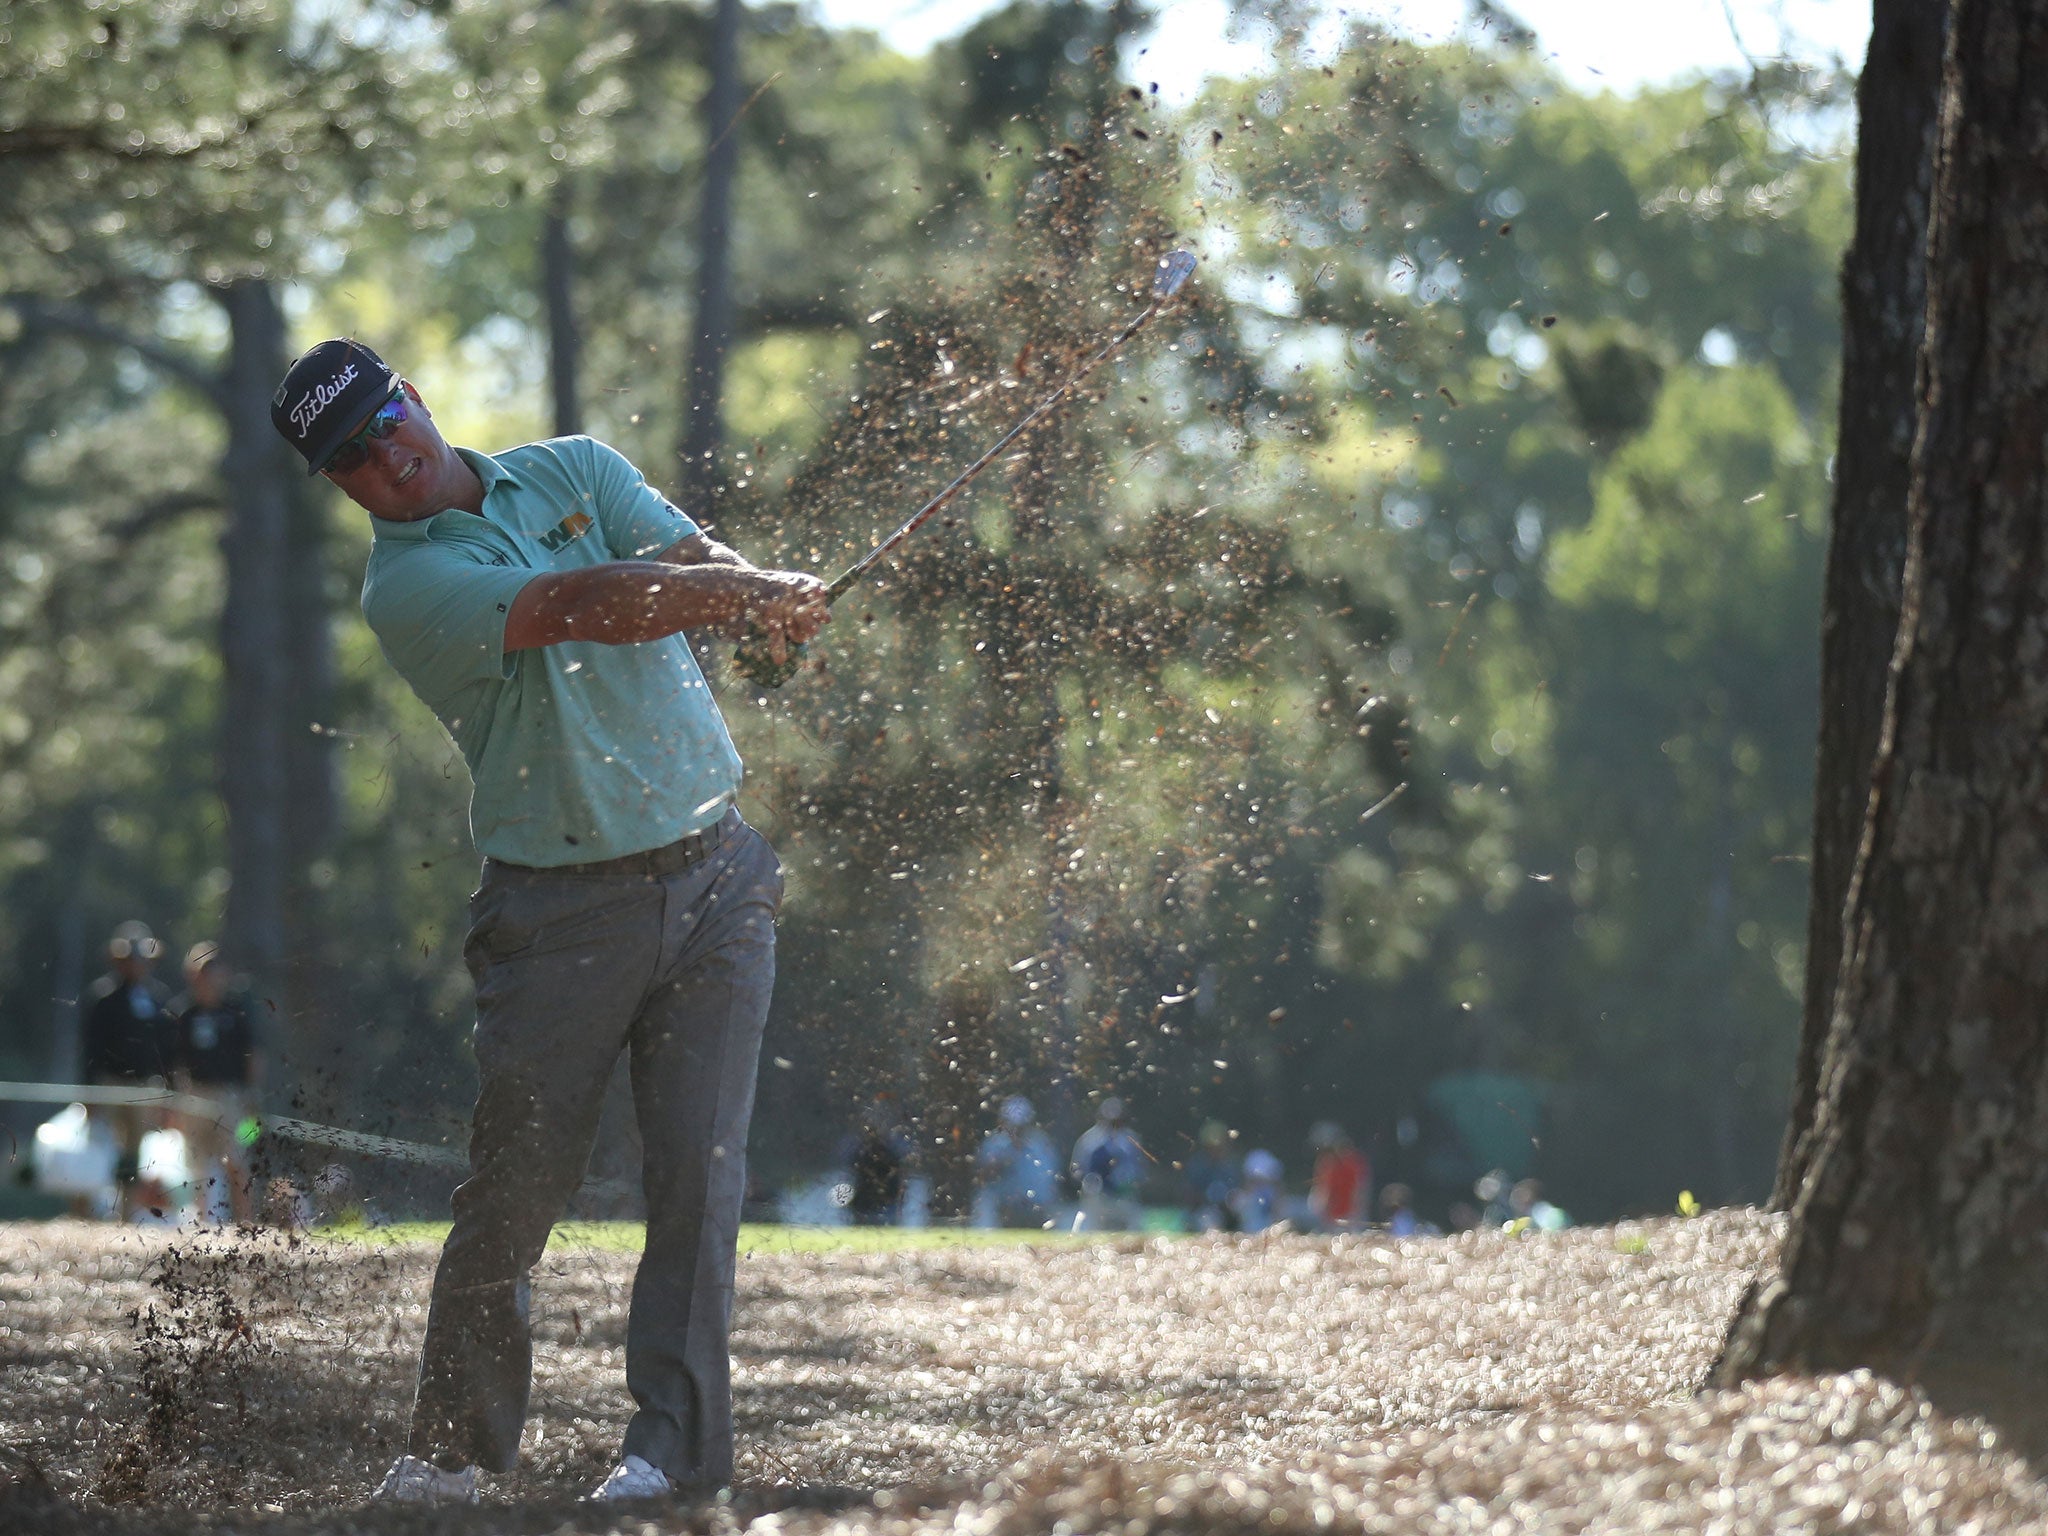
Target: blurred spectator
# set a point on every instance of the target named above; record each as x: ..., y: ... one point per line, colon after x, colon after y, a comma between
x: 876, y: 1157
x: 1491, y: 1190
x: 154, y: 1203
x: 1526, y: 1200
x: 1108, y: 1169
x: 215, y: 1057
x: 760, y: 1203
x: 287, y: 1205
x: 1017, y: 1170
x: 1256, y: 1201
x: 1397, y: 1210
x: 1340, y: 1192
x: 128, y: 1044
x: 1210, y: 1176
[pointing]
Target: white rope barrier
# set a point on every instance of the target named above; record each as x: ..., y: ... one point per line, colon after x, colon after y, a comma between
x: 310, y: 1132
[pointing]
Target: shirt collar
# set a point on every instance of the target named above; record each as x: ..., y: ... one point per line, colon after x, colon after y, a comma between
x: 488, y: 469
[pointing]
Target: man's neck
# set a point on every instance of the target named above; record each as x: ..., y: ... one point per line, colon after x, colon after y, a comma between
x: 472, y: 497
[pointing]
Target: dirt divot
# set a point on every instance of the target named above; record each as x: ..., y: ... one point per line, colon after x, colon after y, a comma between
x: 196, y: 1339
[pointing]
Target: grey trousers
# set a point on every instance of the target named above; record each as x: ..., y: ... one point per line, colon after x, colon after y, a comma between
x: 571, y: 968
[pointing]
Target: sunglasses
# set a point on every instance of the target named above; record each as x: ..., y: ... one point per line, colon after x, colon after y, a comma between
x: 355, y: 453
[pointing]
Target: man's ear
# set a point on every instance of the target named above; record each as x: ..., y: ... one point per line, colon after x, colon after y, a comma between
x: 414, y: 396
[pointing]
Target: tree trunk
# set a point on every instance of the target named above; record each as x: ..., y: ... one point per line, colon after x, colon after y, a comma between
x: 276, y: 763
x: 255, y: 659
x: 558, y: 288
x: 1884, y: 316
x: 1915, y: 1241
x: 70, y: 961
x: 704, y: 388
x: 309, y: 657
x: 1722, y: 1095
x: 558, y: 276
x: 957, y: 1088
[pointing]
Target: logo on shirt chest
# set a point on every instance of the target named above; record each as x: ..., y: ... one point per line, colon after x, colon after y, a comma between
x: 567, y: 531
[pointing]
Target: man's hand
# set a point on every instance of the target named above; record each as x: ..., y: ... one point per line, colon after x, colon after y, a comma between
x: 785, y: 607
x: 782, y: 612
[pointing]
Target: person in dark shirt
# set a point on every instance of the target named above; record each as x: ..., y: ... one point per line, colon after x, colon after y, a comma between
x: 1109, y: 1170
x: 1211, y: 1174
x: 878, y: 1151
x: 127, y: 1039
x: 216, y: 1058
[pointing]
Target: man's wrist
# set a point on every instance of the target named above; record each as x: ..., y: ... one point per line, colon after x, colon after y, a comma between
x: 725, y: 555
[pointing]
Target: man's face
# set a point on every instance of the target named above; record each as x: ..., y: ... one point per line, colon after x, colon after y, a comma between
x: 208, y: 983
x: 413, y: 473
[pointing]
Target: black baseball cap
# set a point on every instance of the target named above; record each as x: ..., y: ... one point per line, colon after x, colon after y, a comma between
x: 326, y: 395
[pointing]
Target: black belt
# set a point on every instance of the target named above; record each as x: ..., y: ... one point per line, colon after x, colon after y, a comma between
x: 651, y: 864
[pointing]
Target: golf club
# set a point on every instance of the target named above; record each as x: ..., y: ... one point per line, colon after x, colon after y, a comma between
x: 752, y: 658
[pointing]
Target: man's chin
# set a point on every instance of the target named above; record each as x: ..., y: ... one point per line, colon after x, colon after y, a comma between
x: 415, y: 497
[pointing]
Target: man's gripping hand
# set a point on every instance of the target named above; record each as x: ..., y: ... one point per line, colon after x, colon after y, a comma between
x: 782, y: 608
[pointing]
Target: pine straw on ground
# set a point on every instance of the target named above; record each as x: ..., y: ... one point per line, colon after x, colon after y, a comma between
x: 1179, y: 1387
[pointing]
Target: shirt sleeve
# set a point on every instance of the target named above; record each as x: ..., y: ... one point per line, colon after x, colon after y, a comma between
x: 440, y: 615
x: 637, y: 520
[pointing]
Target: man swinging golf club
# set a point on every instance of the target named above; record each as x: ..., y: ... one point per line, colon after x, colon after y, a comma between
x: 535, y: 600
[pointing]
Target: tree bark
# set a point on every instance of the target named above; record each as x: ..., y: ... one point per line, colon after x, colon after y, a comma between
x: 558, y: 290
x: 276, y: 769
x: 1884, y: 304
x: 558, y: 285
x: 70, y: 965
x: 704, y: 387
x: 957, y: 1085
x: 1922, y: 1215
x: 254, y: 666
x: 1721, y: 1047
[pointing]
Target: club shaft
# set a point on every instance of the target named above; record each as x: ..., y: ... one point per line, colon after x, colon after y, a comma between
x: 959, y: 481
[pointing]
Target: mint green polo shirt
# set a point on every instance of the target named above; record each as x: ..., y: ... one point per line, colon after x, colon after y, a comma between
x: 577, y: 751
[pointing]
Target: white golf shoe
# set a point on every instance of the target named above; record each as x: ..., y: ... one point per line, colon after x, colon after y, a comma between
x: 633, y: 1478
x: 413, y: 1480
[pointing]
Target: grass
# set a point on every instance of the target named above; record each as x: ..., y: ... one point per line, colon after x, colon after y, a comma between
x: 626, y: 1237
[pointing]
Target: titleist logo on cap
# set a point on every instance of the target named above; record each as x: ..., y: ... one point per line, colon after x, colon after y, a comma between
x: 317, y: 399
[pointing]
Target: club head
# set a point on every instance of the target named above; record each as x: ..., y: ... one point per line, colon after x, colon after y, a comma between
x: 1175, y: 268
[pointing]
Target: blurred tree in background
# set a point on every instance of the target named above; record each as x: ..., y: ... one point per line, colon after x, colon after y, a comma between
x: 1400, y: 664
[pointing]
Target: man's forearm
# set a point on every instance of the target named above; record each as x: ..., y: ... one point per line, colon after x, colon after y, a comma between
x: 629, y: 601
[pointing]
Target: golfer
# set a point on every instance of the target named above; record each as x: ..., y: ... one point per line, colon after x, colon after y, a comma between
x: 535, y: 601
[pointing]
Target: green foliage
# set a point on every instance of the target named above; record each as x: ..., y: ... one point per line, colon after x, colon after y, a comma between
x: 1400, y: 662
x: 143, y: 140
x: 1611, y: 380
